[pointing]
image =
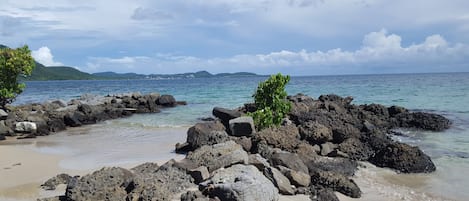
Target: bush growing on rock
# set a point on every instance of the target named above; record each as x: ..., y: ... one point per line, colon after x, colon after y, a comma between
x: 271, y: 103
x: 13, y: 63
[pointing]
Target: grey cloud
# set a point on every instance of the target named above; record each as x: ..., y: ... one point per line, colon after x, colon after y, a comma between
x: 142, y: 13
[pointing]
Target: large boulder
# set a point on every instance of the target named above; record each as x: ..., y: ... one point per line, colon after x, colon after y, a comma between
x: 219, y: 155
x: 422, y: 120
x: 315, y: 132
x: 25, y: 127
x: 4, y: 129
x: 110, y: 184
x: 289, y: 160
x: 166, y: 100
x: 225, y: 115
x: 206, y: 133
x: 299, y: 179
x: 53, y: 182
x: 282, y: 137
x: 240, y: 183
x: 404, y: 158
x: 280, y: 181
x: 3, y: 114
x: 337, y: 182
x: 242, y: 126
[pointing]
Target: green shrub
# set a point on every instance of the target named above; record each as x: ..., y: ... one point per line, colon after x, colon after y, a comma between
x: 13, y: 63
x: 270, y: 99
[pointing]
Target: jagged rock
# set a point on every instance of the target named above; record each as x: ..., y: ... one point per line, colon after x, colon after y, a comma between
x: 219, y: 155
x: 404, y: 158
x: 289, y: 160
x: 394, y: 110
x: 105, y: 184
x: 327, y: 148
x: 283, y: 137
x: 194, y: 196
x: 422, y: 120
x: 3, y: 114
x: 225, y: 115
x: 322, y: 194
x: 199, y: 174
x: 299, y: 179
x: 339, y: 165
x: 182, y: 148
x: 53, y: 182
x: 240, y: 183
x: 258, y: 161
x: 4, y: 130
x: 355, y: 149
x: 337, y: 182
x: 279, y: 180
x: 72, y: 119
x: 244, y: 141
x: 166, y: 100
x: 242, y: 126
x: 25, y: 127
x: 146, y: 168
x: 315, y: 132
x: 206, y: 133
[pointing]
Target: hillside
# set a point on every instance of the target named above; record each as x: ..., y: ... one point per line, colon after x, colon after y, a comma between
x: 41, y: 72
x: 199, y: 74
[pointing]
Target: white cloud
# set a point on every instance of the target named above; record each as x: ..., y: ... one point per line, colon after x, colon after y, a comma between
x: 380, y: 51
x: 44, y: 56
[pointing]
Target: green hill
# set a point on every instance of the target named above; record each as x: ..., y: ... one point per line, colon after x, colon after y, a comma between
x: 40, y: 72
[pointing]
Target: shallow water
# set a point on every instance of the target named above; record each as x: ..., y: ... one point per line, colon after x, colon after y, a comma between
x: 446, y: 94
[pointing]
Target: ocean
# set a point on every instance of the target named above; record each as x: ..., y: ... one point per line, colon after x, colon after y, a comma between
x: 444, y: 93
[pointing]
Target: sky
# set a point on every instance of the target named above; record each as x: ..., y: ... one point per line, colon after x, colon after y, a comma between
x: 296, y: 37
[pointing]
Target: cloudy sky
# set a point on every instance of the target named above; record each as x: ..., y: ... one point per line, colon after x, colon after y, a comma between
x: 298, y: 37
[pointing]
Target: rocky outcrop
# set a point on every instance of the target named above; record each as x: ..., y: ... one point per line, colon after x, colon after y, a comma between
x: 225, y: 115
x: 242, y: 126
x: 88, y: 109
x: 206, y: 133
x: 240, y: 183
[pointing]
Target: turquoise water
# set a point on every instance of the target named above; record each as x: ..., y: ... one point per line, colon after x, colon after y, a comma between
x: 446, y: 94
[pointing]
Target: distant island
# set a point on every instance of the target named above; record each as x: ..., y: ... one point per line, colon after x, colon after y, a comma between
x: 43, y: 73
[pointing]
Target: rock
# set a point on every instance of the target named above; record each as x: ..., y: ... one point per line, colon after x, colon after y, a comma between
x: 146, y: 168
x: 342, y: 166
x: 240, y: 183
x: 327, y: 148
x: 166, y: 100
x: 56, y: 198
x: 225, y: 115
x: 3, y: 114
x: 160, y: 185
x: 404, y: 158
x: 199, y: 174
x: 315, y: 132
x: 2, y: 137
x: 242, y: 126
x: 219, y: 155
x: 245, y: 142
x: 337, y: 182
x: 342, y: 132
x: 25, y: 127
x: 394, y: 110
x: 258, y: 161
x: 182, y: 148
x: 422, y: 120
x: 279, y: 180
x: 282, y: 137
x: 104, y: 184
x: 322, y: 194
x: 289, y: 160
x: 206, y: 133
x: 53, y: 182
x: 4, y: 130
x: 299, y: 179
x: 72, y: 119
x: 193, y: 196
x: 355, y: 149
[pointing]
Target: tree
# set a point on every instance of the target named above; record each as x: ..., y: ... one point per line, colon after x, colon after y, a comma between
x: 270, y: 99
x: 13, y: 63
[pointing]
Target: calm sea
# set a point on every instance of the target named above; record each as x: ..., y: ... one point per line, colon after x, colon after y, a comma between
x: 446, y: 94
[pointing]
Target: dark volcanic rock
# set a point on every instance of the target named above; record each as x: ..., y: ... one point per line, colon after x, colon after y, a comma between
x: 166, y: 100
x: 283, y: 137
x: 322, y: 194
x: 337, y: 182
x: 403, y: 157
x: 53, y: 182
x: 315, y: 132
x: 225, y: 115
x: 289, y: 160
x: 206, y: 133
x: 422, y: 120
x: 279, y: 180
x: 219, y: 155
x: 242, y: 126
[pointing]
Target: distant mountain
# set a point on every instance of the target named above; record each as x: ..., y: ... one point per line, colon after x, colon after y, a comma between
x: 199, y: 74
